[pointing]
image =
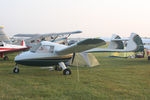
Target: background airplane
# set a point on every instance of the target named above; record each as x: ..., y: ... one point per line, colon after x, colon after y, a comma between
x: 146, y: 43
x: 32, y: 39
x: 133, y: 44
x: 3, y: 36
x: 7, y: 47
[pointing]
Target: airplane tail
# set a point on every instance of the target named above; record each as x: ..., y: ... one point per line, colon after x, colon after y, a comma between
x: 114, y: 44
x: 3, y: 36
x: 135, y: 43
x: 23, y: 43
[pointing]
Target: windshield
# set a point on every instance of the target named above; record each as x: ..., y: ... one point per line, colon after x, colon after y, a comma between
x: 42, y: 48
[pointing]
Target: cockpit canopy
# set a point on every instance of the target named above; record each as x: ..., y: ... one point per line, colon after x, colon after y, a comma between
x: 39, y: 48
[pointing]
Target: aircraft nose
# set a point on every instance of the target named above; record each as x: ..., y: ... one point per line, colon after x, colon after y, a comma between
x: 17, y: 58
x: 20, y: 57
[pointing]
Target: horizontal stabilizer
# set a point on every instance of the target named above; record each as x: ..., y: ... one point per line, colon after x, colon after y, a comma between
x: 81, y: 46
x: 120, y: 40
x: 106, y: 50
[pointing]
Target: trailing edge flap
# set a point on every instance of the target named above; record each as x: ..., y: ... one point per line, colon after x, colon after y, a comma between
x: 135, y: 44
x: 81, y: 46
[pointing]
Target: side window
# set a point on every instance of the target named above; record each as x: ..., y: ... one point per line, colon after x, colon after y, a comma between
x: 35, y: 47
x: 44, y: 48
x: 51, y: 50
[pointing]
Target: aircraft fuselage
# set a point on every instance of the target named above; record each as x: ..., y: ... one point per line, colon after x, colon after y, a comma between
x: 41, y: 59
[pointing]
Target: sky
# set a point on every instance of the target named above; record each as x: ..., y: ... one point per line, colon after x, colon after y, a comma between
x: 96, y: 18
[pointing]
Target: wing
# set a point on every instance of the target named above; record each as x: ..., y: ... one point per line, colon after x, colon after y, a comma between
x: 47, y: 34
x: 53, y: 36
x: 62, y: 33
x: 81, y: 46
x: 25, y: 35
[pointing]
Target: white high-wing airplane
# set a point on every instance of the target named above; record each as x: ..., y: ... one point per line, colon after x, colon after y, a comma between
x: 50, y: 53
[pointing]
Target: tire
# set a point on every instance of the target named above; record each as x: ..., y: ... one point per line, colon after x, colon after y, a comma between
x: 67, y: 72
x: 16, y: 70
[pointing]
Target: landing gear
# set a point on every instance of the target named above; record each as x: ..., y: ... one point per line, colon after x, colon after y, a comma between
x: 6, y: 58
x: 58, y: 68
x: 16, y: 69
x: 66, y: 71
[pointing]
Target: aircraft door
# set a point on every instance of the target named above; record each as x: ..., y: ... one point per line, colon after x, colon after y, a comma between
x: 51, y: 50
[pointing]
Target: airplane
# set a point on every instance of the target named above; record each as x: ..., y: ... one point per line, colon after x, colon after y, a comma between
x: 134, y: 44
x: 3, y: 36
x: 7, y: 47
x: 48, y: 53
x: 53, y: 54
x: 146, y: 42
x: 53, y: 37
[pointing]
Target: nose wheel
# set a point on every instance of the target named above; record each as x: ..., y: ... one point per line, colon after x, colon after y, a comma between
x: 16, y: 69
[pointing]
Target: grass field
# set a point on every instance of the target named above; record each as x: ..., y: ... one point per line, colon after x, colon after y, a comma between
x: 113, y: 79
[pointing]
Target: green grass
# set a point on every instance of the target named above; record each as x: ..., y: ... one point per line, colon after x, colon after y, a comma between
x: 113, y: 79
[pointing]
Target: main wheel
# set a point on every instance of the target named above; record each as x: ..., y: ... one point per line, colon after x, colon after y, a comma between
x: 6, y: 58
x: 16, y: 70
x: 67, y: 72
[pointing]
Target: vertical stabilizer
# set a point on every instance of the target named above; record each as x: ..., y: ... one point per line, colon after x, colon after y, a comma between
x: 23, y: 43
x: 116, y: 44
x: 3, y: 36
x: 135, y: 43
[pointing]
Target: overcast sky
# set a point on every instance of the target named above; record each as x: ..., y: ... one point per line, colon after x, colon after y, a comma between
x: 95, y: 18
